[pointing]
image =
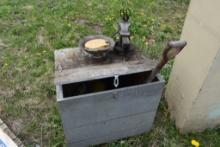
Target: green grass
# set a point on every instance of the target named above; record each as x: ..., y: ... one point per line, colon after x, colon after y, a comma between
x: 30, y: 31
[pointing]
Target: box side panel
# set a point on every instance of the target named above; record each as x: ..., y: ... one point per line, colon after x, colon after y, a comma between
x: 110, y: 130
x: 59, y: 92
x: 102, y: 106
x: 111, y: 126
x: 102, y: 114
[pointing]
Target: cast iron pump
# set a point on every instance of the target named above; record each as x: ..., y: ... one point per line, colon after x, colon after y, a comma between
x: 123, y: 45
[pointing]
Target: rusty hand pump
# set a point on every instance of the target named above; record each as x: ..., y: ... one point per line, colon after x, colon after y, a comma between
x: 124, y: 43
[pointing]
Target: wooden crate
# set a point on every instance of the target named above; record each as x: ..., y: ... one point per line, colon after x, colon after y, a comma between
x: 102, y: 115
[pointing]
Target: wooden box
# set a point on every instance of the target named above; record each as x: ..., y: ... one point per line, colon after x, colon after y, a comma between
x: 92, y: 109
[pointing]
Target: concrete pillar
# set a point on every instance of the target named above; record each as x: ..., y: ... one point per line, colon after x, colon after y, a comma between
x: 193, y: 91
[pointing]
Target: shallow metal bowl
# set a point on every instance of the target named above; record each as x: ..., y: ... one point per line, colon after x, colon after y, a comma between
x: 97, y: 53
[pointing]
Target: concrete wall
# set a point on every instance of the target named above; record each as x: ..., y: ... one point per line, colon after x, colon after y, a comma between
x: 193, y: 91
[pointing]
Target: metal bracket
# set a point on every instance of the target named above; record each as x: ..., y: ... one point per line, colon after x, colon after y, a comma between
x: 116, y: 81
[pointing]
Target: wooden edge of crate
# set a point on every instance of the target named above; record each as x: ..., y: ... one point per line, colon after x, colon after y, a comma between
x: 70, y: 66
x: 98, y: 72
x: 9, y: 135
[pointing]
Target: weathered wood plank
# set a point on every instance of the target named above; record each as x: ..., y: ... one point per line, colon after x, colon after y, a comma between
x: 70, y: 67
x: 99, y: 71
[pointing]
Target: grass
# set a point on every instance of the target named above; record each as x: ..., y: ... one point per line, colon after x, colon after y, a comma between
x: 30, y: 31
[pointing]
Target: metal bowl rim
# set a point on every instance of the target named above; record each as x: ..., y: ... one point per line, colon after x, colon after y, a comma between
x: 90, y: 37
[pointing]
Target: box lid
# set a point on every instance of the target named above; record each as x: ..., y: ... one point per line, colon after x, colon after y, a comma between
x: 71, y: 66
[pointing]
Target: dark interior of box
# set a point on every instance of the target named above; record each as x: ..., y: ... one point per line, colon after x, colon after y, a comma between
x: 80, y: 88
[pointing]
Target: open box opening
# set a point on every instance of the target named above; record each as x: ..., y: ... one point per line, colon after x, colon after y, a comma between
x: 98, y: 85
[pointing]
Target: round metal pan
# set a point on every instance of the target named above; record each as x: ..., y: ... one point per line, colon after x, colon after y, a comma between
x: 97, y: 53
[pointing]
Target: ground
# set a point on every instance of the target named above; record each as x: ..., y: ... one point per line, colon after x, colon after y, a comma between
x: 30, y: 31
